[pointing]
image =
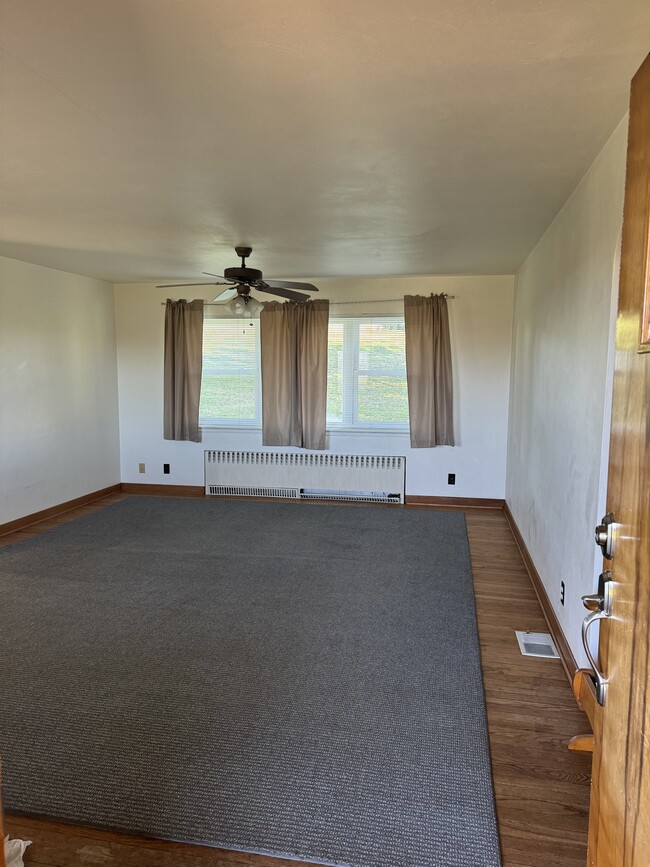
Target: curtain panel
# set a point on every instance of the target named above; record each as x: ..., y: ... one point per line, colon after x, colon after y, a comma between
x: 293, y: 338
x: 428, y: 371
x: 183, y: 366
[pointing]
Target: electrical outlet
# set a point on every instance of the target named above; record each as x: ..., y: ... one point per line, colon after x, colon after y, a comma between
x: 141, y: 468
x: 451, y: 479
x: 562, y: 592
x: 166, y: 469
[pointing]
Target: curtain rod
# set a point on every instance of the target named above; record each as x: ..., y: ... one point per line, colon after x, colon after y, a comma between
x: 338, y: 303
x: 384, y: 300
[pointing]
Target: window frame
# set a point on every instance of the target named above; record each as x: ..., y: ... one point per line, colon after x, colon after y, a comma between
x: 350, y: 423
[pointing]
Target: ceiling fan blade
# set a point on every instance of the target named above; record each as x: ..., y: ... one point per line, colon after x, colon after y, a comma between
x: 180, y: 285
x: 283, y: 293
x: 226, y: 295
x: 287, y: 284
x: 220, y: 276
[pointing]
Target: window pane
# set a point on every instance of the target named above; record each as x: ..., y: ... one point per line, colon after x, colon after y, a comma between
x: 382, y: 400
x: 381, y: 387
x: 228, y: 397
x: 335, y: 371
x: 229, y: 383
x: 381, y: 346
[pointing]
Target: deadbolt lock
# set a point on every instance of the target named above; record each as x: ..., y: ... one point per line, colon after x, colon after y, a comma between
x: 605, y: 538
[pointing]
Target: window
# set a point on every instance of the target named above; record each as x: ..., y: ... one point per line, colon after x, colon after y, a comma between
x: 230, y: 384
x: 366, y: 373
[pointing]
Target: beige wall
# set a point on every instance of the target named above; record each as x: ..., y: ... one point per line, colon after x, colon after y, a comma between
x: 58, y: 389
x: 480, y: 320
x: 561, y: 385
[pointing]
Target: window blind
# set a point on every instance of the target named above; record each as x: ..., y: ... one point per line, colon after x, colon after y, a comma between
x: 231, y: 383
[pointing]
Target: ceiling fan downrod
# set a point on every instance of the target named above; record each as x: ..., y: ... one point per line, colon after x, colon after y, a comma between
x: 243, y: 253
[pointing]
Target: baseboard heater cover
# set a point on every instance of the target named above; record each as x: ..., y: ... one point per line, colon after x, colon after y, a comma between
x: 296, y: 476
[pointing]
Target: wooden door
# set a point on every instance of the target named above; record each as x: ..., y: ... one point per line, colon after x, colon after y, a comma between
x: 619, y: 830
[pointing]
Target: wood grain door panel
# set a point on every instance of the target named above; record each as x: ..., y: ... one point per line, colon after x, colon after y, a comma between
x: 619, y: 832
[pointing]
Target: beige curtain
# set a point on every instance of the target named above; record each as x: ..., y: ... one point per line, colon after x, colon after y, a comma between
x: 183, y: 364
x: 293, y: 340
x: 428, y: 371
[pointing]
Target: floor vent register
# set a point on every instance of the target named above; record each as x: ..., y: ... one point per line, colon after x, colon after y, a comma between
x: 536, y: 644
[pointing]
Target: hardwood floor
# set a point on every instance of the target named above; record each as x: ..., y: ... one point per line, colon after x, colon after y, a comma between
x: 541, y: 789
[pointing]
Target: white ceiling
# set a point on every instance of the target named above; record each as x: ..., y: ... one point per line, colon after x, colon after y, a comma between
x: 143, y: 139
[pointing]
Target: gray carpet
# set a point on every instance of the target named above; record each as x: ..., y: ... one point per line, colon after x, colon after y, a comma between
x: 281, y: 678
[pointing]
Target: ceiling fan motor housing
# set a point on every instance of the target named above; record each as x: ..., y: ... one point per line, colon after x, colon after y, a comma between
x: 243, y: 275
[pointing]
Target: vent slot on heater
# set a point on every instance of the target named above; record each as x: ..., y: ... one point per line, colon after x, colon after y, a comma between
x: 292, y: 475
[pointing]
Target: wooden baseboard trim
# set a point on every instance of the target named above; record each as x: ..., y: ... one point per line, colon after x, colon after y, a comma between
x: 455, y: 502
x: 566, y: 654
x: 44, y: 514
x: 164, y: 490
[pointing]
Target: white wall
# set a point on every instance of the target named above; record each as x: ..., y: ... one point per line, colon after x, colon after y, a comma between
x: 480, y: 321
x: 561, y: 383
x: 58, y: 388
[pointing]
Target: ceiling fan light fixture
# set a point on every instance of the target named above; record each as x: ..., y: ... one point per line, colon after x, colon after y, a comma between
x: 236, y: 306
x: 254, y: 306
x: 243, y: 305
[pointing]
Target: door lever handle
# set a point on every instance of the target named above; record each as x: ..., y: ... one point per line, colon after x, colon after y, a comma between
x: 600, y: 607
x: 593, y: 602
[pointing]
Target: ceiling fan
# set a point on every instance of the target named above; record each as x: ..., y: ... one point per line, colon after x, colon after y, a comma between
x: 242, y: 279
